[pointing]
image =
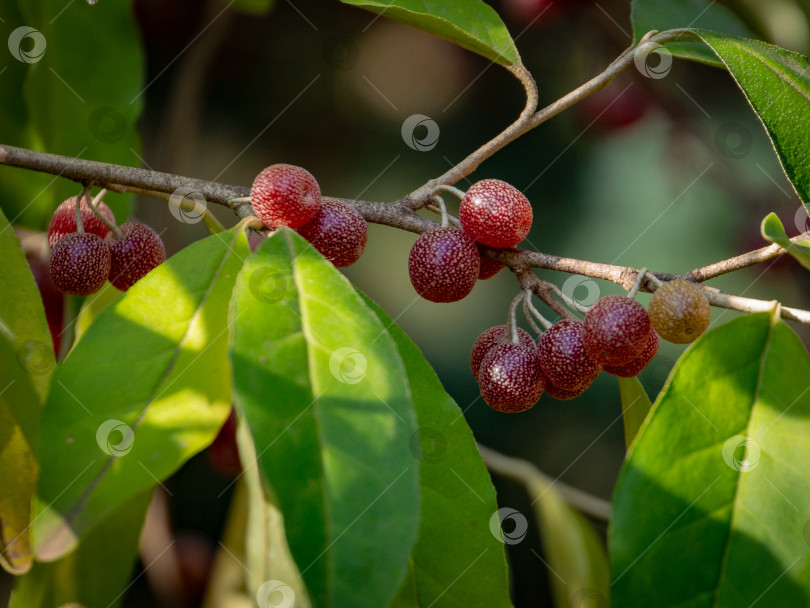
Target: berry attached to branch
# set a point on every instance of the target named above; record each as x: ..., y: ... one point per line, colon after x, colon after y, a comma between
x: 563, y: 358
x: 285, y: 195
x: 628, y: 370
x: 444, y: 265
x: 510, y: 378
x: 489, y: 339
x: 489, y: 267
x: 679, y: 311
x: 80, y: 263
x: 616, y: 330
x: 133, y: 256
x: 338, y: 232
x: 64, y: 220
x: 495, y: 213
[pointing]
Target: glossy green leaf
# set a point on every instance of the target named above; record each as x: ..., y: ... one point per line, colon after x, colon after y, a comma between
x: 471, y: 24
x: 711, y: 507
x: 253, y: 7
x: 776, y: 83
x: 22, y: 314
x: 774, y: 231
x: 663, y: 15
x: 457, y: 561
x: 20, y: 408
x: 635, y: 407
x: 97, y: 573
x: 84, y: 88
x: 93, y: 306
x: 325, y: 394
x: 147, y: 387
x: 23, y: 194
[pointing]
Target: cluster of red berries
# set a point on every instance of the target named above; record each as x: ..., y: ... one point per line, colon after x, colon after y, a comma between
x: 617, y: 336
x: 445, y: 262
x: 287, y: 195
x: 84, y: 257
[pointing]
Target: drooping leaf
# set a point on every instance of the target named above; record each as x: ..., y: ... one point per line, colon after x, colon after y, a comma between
x: 147, y: 387
x: 711, y: 505
x: 97, y: 573
x: 20, y: 408
x: 774, y: 231
x: 776, y: 83
x: 457, y: 561
x: 635, y: 407
x: 84, y: 89
x: 325, y: 394
x: 470, y: 24
x: 648, y: 15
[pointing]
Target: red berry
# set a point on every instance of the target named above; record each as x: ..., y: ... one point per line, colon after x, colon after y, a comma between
x: 488, y: 340
x: 133, y: 256
x: 616, y: 330
x: 444, y: 265
x: 510, y: 378
x: 495, y: 213
x: 560, y: 394
x: 80, y: 263
x: 489, y: 267
x: 338, y: 232
x: 285, y: 195
x: 563, y: 358
x: 628, y: 370
x: 64, y: 220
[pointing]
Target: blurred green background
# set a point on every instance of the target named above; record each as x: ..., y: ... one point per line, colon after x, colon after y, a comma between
x: 672, y: 174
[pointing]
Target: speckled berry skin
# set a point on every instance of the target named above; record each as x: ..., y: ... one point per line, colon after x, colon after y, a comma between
x: 616, y: 330
x: 444, y: 265
x: 490, y: 338
x: 628, y: 370
x: 679, y: 311
x: 495, y: 213
x: 80, y: 263
x: 563, y: 358
x: 560, y: 394
x: 510, y: 378
x: 285, y: 195
x: 64, y: 220
x: 489, y: 267
x: 338, y: 232
x: 139, y: 251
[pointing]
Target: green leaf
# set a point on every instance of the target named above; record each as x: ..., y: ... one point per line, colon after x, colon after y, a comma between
x: 774, y: 231
x: 471, y: 24
x: 457, y: 561
x: 85, y: 92
x: 325, y: 394
x: 20, y: 408
x: 711, y: 506
x: 776, y: 83
x: 635, y: 407
x: 147, y: 387
x: 253, y: 7
x: 663, y: 15
x: 93, y: 306
x: 97, y: 573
